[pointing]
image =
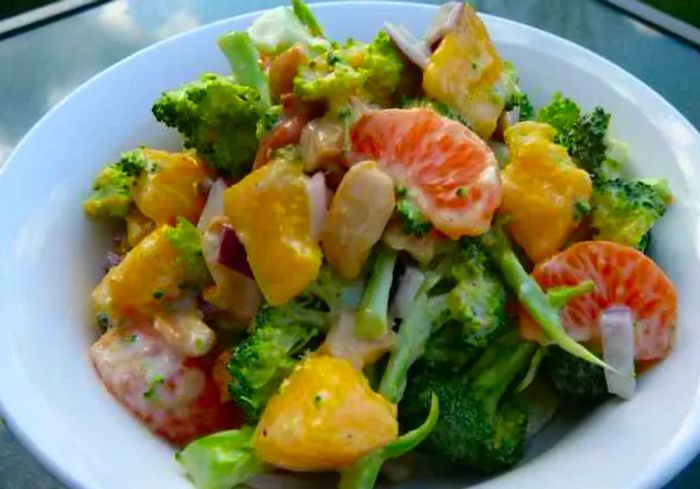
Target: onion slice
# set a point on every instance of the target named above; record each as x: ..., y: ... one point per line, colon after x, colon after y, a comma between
x: 444, y: 21
x: 408, y: 44
x: 318, y: 198
x: 617, y: 330
x: 214, y: 206
x: 409, y: 283
x: 232, y: 253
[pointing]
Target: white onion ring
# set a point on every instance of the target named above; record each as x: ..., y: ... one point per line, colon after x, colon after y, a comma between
x: 318, y: 199
x: 617, y: 330
x: 408, y: 44
x: 444, y: 21
x: 409, y: 283
x: 214, y: 206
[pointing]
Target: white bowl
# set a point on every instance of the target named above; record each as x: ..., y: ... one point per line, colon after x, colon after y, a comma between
x: 51, y: 255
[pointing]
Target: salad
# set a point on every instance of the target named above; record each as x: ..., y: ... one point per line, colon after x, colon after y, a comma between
x: 369, y: 249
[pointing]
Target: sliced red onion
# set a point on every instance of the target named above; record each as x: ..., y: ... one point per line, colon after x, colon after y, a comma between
x: 410, y: 282
x: 214, y: 206
x: 232, y: 253
x: 318, y: 197
x: 444, y: 21
x: 408, y: 44
x: 111, y: 260
x: 617, y: 329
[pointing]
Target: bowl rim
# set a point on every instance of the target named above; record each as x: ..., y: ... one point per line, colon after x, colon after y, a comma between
x: 671, y: 459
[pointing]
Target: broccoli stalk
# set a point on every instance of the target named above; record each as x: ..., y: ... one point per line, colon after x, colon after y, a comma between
x: 363, y: 474
x: 530, y: 295
x: 242, y: 55
x: 222, y: 460
x: 307, y: 17
x: 481, y: 425
x: 371, y: 318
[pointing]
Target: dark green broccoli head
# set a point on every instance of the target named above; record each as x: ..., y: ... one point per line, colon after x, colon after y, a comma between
x: 574, y: 378
x: 259, y: 364
x: 217, y: 118
x: 112, y: 191
x: 585, y: 141
x: 624, y: 211
x: 413, y: 221
x: 447, y: 350
x: 521, y: 101
x: 480, y: 425
x: 583, y: 135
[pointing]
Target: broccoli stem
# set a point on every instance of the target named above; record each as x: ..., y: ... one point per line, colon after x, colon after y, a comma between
x: 243, y: 57
x: 363, y: 473
x: 307, y: 17
x: 371, y: 319
x: 412, y: 337
x: 531, y: 296
x: 559, y: 296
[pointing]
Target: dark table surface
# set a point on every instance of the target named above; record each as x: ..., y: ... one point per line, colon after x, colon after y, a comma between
x: 39, y: 67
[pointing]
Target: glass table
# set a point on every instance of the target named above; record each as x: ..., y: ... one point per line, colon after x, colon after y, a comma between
x: 41, y: 66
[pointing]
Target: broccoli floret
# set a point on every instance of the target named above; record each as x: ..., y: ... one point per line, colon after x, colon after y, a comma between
x: 584, y: 136
x: 475, y: 297
x: 222, y: 460
x: 217, y: 118
x: 413, y: 221
x: 111, y: 193
x: 624, y: 211
x: 447, y: 350
x: 187, y: 242
x: 562, y: 113
x: 386, y: 69
x: 259, y: 364
x: 269, y: 119
x: 481, y: 426
x: 281, y: 336
x: 521, y: 101
x: 331, y: 78
x: 440, y: 107
x: 574, y: 378
x: 585, y: 141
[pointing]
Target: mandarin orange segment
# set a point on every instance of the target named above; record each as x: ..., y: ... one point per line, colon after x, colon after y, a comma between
x: 624, y: 277
x: 148, y: 275
x: 541, y: 189
x: 324, y: 417
x: 463, y: 73
x: 270, y: 211
x: 448, y: 170
x: 170, y: 187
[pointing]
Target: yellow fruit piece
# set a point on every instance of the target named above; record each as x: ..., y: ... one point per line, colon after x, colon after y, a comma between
x: 270, y: 211
x: 541, y: 189
x: 169, y: 187
x: 358, y: 215
x: 324, y: 417
x: 147, y: 276
x: 463, y: 72
x: 138, y: 227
